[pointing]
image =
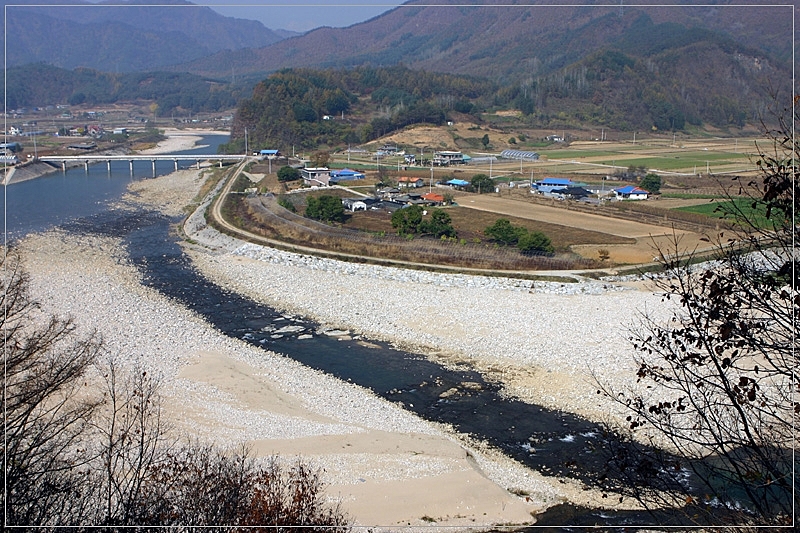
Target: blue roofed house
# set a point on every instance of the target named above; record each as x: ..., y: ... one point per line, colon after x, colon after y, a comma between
x: 346, y: 174
x: 631, y: 192
x: 456, y: 183
x: 548, y: 185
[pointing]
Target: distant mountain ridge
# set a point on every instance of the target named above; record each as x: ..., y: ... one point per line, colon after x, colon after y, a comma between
x: 509, y: 39
x: 626, y: 67
x: 138, y: 36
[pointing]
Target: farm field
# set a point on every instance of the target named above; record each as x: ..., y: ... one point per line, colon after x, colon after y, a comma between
x: 695, y: 173
x: 641, y: 239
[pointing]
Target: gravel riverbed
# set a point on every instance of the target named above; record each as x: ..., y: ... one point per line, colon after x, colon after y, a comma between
x: 545, y: 342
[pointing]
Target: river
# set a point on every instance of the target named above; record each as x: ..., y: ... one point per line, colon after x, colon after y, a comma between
x: 552, y: 442
x: 57, y: 198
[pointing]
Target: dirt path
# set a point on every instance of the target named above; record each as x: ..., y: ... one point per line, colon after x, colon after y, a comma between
x: 648, y: 237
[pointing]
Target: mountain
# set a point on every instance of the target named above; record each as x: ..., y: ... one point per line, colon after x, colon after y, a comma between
x: 514, y: 39
x: 136, y: 36
x: 625, y: 67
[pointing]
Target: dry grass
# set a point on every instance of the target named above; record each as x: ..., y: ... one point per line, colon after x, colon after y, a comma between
x: 262, y: 216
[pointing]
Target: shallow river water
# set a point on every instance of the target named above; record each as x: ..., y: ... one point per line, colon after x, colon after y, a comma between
x: 552, y: 442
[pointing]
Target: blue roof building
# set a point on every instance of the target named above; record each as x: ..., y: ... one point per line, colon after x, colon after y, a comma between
x: 631, y: 192
x: 457, y: 183
x: 550, y: 184
x: 346, y: 174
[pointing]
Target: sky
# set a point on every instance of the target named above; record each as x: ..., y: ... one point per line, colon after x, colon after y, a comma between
x: 302, y: 15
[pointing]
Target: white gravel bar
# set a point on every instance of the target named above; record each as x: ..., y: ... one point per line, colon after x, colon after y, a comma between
x: 544, y: 342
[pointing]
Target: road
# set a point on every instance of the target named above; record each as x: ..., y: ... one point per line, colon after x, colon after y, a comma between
x: 642, y: 252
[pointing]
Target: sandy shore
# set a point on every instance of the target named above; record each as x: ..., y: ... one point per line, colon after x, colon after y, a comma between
x: 178, y: 140
x: 388, y: 467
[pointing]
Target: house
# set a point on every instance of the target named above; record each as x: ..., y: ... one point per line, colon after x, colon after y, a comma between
x: 631, y: 192
x: 446, y: 158
x: 550, y: 184
x: 11, y: 147
x: 574, y: 193
x: 269, y: 154
x: 410, y: 182
x: 316, y: 176
x: 433, y: 199
x: 457, y: 184
x: 346, y: 174
x: 94, y: 130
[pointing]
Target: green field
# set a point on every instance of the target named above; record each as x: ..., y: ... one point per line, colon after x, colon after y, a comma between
x: 732, y: 209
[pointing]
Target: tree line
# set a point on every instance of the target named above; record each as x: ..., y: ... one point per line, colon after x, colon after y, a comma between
x: 39, y: 84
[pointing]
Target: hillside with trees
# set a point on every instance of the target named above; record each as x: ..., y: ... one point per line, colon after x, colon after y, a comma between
x: 644, y: 67
x: 41, y: 85
x: 289, y: 107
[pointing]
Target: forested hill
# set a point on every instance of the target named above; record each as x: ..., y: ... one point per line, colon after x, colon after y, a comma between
x: 114, y: 36
x: 621, y: 66
x: 302, y: 107
x: 39, y: 85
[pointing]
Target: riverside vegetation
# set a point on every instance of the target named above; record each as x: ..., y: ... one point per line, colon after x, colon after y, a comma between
x: 107, y: 457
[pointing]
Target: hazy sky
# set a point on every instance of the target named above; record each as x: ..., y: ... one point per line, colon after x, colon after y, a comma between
x: 301, y: 15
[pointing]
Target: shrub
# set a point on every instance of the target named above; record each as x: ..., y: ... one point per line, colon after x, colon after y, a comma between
x: 535, y: 242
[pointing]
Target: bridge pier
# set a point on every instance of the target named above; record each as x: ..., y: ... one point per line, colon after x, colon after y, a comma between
x: 86, y: 165
x: 176, y: 164
x: 63, y: 166
x: 131, y: 164
x: 153, y: 161
x: 108, y: 165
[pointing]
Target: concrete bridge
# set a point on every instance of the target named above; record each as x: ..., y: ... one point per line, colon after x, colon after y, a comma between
x: 88, y: 159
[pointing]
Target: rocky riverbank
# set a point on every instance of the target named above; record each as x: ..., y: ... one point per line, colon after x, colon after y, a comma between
x: 542, y: 341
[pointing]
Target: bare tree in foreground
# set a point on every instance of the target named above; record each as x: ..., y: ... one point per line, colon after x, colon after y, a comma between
x: 722, y: 396
x: 83, y: 455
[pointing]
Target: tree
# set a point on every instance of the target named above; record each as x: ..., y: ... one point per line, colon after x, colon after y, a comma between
x: 320, y: 158
x: 287, y: 173
x: 651, y: 183
x: 482, y: 183
x: 45, y: 444
x: 485, y: 140
x: 535, y: 242
x: 326, y: 208
x: 80, y: 456
x: 504, y: 232
x: 407, y: 220
x: 721, y: 375
x: 439, y: 225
